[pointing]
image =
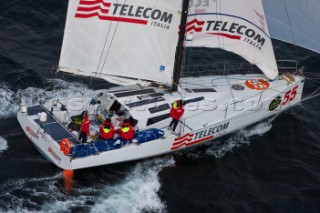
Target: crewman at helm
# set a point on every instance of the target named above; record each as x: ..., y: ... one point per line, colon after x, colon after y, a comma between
x: 126, y: 130
x: 85, y: 128
x: 176, y: 112
x: 107, y: 130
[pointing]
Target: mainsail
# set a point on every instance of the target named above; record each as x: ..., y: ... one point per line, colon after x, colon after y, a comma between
x: 116, y: 39
x: 295, y: 21
x: 235, y: 26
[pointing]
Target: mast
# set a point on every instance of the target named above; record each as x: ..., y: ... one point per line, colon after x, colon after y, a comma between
x: 180, y: 46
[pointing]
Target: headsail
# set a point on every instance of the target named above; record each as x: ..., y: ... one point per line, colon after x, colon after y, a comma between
x: 295, y: 21
x: 112, y: 39
x: 236, y: 26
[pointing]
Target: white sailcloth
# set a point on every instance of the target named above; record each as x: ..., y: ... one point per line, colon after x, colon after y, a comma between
x: 112, y: 39
x: 235, y: 26
x: 295, y: 21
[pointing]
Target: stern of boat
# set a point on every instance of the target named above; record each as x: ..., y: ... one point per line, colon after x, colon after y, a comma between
x: 42, y: 141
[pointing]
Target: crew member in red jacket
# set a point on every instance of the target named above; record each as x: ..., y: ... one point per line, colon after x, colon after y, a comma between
x: 107, y: 130
x: 176, y: 112
x: 84, y: 129
x: 126, y: 130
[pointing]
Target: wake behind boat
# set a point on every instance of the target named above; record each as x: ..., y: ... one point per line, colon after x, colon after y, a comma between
x: 140, y: 46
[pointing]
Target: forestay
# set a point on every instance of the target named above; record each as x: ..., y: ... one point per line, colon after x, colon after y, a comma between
x: 295, y: 21
x: 235, y: 26
x: 112, y: 39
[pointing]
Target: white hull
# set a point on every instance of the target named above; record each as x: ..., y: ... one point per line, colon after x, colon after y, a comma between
x: 201, y: 125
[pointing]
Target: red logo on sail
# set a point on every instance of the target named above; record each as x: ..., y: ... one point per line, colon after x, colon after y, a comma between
x: 128, y: 13
x: 194, y: 26
x: 100, y: 9
x: 87, y: 9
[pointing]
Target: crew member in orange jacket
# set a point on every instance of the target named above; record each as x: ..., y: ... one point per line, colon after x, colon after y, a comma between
x: 84, y: 129
x: 107, y: 130
x: 176, y: 112
x: 126, y: 130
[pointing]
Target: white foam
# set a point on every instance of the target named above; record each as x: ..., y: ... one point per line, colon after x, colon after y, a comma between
x: 58, y: 89
x: 9, y: 103
x: 239, y: 138
x: 7, y: 106
x: 3, y: 144
x: 31, y: 187
x: 47, y: 189
x: 138, y: 192
x: 218, y: 148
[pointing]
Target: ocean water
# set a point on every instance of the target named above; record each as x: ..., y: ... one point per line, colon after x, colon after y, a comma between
x: 272, y: 166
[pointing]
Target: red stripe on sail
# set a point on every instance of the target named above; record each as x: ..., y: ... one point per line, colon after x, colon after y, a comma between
x: 90, y: 9
x: 195, y: 25
x: 226, y: 35
x: 86, y: 2
x: 112, y: 18
x: 196, y: 29
x: 195, y: 21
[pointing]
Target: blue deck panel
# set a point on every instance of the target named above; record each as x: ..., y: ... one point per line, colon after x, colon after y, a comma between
x: 52, y: 126
x: 57, y: 131
x: 34, y: 110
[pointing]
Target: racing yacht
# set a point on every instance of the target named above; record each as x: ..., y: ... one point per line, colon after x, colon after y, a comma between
x: 140, y: 46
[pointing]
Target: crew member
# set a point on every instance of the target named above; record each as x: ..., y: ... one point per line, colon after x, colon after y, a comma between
x: 126, y: 130
x: 107, y: 130
x: 176, y: 112
x: 84, y: 129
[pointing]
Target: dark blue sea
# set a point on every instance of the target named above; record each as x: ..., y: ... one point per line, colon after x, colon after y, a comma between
x: 272, y: 166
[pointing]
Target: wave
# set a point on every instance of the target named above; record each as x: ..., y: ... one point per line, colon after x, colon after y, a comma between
x: 138, y: 192
x: 44, y: 194
x: 21, y: 195
x: 7, y: 106
x: 240, y: 138
x: 218, y: 148
x: 56, y: 88
x: 3, y: 144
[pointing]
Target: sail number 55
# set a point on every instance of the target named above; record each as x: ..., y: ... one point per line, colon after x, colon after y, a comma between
x: 290, y: 95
